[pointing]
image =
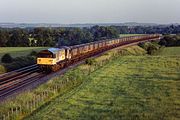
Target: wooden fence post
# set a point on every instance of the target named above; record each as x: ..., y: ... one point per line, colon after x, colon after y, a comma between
x: 8, y: 115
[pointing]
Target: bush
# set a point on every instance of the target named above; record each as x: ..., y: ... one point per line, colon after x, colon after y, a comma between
x: 33, y: 53
x: 6, y: 58
x: 90, y: 61
x: 150, y: 47
x: 2, y: 69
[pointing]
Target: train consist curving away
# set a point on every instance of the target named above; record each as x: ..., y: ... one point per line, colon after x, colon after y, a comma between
x: 54, y: 59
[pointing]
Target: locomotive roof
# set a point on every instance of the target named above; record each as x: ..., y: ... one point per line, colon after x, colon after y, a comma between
x: 54, y: 50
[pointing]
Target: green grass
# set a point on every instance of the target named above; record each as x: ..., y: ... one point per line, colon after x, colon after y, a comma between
x: 128, y: 35
x: 18, y: 51
x: 130, y: 87
x: 170, y: 51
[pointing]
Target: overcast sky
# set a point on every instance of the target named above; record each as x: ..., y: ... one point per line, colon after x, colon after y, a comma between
x: 90, y: 11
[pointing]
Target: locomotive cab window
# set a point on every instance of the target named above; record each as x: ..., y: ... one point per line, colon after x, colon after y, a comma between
x: 46, y: 54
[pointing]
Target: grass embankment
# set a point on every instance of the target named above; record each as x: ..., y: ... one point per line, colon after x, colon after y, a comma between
x: 170, y: 51
x: 129, y: 87
x: 20, y: 57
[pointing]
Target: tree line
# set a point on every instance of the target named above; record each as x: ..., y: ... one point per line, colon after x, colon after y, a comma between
x: 161, y: 29
x: 34, y: 37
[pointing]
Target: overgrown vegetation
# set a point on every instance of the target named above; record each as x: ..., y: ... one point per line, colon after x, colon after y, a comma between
x: 151, y: 47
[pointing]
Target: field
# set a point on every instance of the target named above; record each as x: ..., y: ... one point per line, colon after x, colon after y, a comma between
x: 170, y: 51
x: 129, y: 87
x: 18, y: 51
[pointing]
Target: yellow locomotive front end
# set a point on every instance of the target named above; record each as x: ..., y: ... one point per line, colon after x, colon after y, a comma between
x: 46, y: 61
x: 52, y: 59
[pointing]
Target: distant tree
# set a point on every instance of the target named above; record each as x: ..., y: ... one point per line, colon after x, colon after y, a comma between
x: 19, y: 38
x: 100, y: 32
x: 44, y: 37
x: 4, y: 37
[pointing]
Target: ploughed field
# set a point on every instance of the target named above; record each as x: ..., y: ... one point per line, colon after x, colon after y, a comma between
x: 129, y: 87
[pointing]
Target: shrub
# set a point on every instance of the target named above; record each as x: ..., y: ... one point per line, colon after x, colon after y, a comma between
x: 150, y: 47
x: 33, y: 53
x: 90, y: 61
x: 6, y: 58
x: 2, y: 69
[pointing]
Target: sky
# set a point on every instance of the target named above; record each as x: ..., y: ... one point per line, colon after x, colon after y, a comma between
x: 90, y: 11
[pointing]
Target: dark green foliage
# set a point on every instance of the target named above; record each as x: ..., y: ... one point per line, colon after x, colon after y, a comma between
x: 7, y: 58
x: 171, y: 29
x: 4, y: 37
x: 20, y: 62
x: 18, y: 38
x: 90, y: 61
x: 101, y: 32
x: 51, y: 36
x: 33, y: 53
x: 76, y: 36
x: 150, y: 47
x: 170, y: 40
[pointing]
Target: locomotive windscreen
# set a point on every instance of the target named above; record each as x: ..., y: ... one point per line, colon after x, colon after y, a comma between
x: 46, y: 54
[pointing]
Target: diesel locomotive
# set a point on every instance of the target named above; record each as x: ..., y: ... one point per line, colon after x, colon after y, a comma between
x: 54, y: 59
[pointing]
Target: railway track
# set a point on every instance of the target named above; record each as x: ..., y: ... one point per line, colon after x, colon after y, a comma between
x: 18, y: 80
x: 13, y: 81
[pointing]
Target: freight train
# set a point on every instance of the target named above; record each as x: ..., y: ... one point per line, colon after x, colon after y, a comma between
x: 54, y: 59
